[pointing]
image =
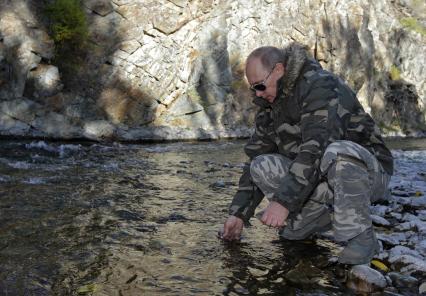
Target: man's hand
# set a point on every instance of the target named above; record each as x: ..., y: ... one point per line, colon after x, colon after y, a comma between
x: 232, y: 228
x: 274, y: 215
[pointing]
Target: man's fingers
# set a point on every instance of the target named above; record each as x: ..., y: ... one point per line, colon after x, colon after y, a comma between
x: 265, y: 218
x: 225, y: 233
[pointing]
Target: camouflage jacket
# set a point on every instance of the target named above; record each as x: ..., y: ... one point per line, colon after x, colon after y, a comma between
x: 313, y: 108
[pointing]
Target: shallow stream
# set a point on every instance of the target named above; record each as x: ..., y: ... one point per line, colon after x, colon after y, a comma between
x: 125, y: 219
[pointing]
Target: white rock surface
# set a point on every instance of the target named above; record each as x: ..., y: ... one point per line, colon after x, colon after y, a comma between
x: 99, y: 129
x: 178, y: 66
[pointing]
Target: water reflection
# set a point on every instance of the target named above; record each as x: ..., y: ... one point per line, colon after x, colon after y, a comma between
x: 141, y: 220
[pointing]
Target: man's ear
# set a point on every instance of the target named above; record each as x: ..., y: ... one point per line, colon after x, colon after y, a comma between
x: 280, y: 69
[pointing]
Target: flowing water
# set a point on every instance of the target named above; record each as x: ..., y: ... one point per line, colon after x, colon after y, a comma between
x: 114, y: 219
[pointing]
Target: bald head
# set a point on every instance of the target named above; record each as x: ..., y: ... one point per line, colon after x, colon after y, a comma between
x: 267, y: 55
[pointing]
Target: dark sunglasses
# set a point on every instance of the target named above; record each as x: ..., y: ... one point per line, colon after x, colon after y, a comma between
x: 260, y: 86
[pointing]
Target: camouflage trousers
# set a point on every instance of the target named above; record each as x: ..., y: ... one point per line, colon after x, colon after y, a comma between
x: 352, y: 178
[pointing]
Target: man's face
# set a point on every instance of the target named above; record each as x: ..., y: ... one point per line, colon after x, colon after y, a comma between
x: 256, y: 73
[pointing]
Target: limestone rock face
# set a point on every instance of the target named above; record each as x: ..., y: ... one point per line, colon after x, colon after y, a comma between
x: 174, y: 69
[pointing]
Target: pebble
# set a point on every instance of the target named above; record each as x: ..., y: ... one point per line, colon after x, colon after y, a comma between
x: 382, y: 256
x: 421, y: 214
x: 408, y: 263
x: 422, y: 288
x: 218, y: 184
x: 364, y: 279
x: 418, y: 201
x: 379, y: 210
x: 222, y: 184
x: 393, y: 238
x: 421, y: 247
x: 402, y: 200
x: 402, y: 250
x: 380, y: 220
x: 397, y: 216
x: 409, y: 217
x: 389, y: 292
x: 400, y: 193
x: 402, y: 280
x: 404, y: 226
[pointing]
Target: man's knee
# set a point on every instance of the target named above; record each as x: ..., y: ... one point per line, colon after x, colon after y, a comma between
x: 346, y: 151
x: 267, y: 166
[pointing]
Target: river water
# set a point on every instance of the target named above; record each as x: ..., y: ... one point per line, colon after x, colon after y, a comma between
x: 115, y: 219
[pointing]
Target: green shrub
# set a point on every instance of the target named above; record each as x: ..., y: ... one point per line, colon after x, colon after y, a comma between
x: 69, y: 30
x: 395, y: 73
x: 68, y: 22
x: 412, y: 24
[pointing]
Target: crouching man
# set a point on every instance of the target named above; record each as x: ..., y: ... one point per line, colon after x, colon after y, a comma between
x: 315, y: 154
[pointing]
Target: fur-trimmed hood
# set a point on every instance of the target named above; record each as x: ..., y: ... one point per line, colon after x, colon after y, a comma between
x: 295, y: 56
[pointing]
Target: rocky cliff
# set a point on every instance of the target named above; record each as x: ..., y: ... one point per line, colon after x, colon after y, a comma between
x: 175, y: 69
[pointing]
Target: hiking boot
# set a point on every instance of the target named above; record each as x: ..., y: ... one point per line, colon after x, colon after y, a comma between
x: 320, y: 224
x: 360, y: 249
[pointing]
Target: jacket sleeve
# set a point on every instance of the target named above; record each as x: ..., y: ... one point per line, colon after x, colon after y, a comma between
x: 323, y: 120
x: 249, y: 195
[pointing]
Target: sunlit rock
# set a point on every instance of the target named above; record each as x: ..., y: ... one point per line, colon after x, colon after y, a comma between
x: 364, y: 279
x: 100, y: 129
x: 45, y: 81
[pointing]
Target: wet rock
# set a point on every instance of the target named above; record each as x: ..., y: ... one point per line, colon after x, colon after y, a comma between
x: 241, y: 290
x: 380, y: 220
x: 222, y: 184
x: 156, y: 245
x: 401, y: 280
x: 172, y: 218
x: 219, y: 184
x: 211, y: 170
x: 129, y: 216
x: 364, y: 279
x: 304, y: 273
